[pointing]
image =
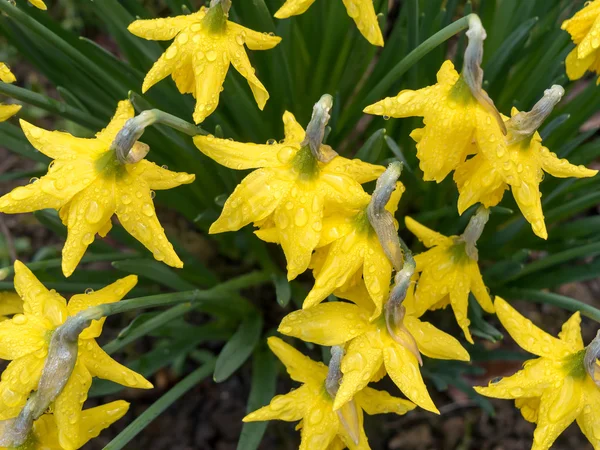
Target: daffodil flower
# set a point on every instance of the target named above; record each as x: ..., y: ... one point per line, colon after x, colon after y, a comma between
x: 584, y: 28
x: 517, y: 160
x: 87, y: 184
x: 198, y: 60
x: 7, y: 111
x: 369, y: 346
x: 361, y: 11
x: 25, y: 341
x: 447, y: 274
x: 322, y: 428
x: 553, y: 390
x: 290, y: 190
x: 10, y: 304
x: 45, y: 432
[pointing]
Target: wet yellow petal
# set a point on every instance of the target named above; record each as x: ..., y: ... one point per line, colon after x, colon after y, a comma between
x: 135, y: 210
x: 576, y: 67
x: 68, y: 405
x: 289, y: 407
x: 19, y: 379
x: 403, y: 369
x: 101, y: 365
x: 94, y: 420
x: 435, y: 343
x: 478, y: 181
x: 363, y: 13
x: 293, y: 8
x: 162, y: 68
x: 527, y: 335
x: 459, y: 300
x: 426, y: 235
x: 21, y: 336
x: 240, y: 156
x: 380, y: 402
x: 300, y: 367
x: 529, y: 407
x: 160, y: 178
x: 361, y: 362
x: 334, y: 227
x: 45, y: 431
x: 123, y: 113
x: 254, y: 40
x: 210, y: 74
x: 254, y: 199
x: 110, y: 294
x: 7, y: 111
x: 239, y: 60
x: 571, y: 332
x: 6, y: 75
x: 356, y: 169
x: 331, y: 323
x: 320, y: 427
x: 39, y: 4
x: 294, y: 132
x: 377, y: 274
x: 88, y: 212
x: 561, y: 168
x: 164, y: 29
x: 590, y: 43
x: 588, y: 418
x: 10, y: 303
x: 580, y: 24
x: 479, y: 290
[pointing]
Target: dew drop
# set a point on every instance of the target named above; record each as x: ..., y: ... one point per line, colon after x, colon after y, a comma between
x: 89, y: 291
x: 34, y: 179
x: 152, y: 194
x: 211, y: 55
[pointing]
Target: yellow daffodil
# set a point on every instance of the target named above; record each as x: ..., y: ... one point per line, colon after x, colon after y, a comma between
x: 322, y: 428
x: 584, y: 28
x: 520, y: 164
x: 453, y: 118
x: 39, y: 4
x: 447, y: 275
x: 291, y: 188
x: 88, y: 185
x: 25, y: 341
x: 7, y: 111
x: 370, y: 345
x: 361, y: 11
x: 45, y: 432
x: 555, y: 389
x: 10, y: 304
x: 205, y: 44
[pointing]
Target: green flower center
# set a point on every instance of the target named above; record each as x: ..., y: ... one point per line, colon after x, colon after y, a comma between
x: 215, y: 20
x: 305, y: 164
x: 458, y: 253
x: 460, y: 93
x: 573, y: 365
x: 108, y: 165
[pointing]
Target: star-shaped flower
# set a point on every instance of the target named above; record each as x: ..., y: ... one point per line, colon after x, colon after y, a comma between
x: 10, y: 304
x: 291, y: 188
x: 7, y: 111
x: 555, y: 389
x: 205, y: 44
x: 447, y: 275
x: 503, y: 162
x: 45, y: 434
x: 584, y: 28
x: 453, y: 118
x: 370, y: 345
x: 322, y: 427
x: 88, y: 184
x: 361, y: 11
x: 25, y: 340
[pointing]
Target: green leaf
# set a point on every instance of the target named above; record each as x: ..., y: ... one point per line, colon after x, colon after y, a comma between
x: 156, y: 271
x: 371, y: 150
x: 479, y: 326
x: 283, y: 290
x: 239, y: 348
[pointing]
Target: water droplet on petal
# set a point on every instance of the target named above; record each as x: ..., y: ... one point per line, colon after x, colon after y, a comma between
x: 89, y: 291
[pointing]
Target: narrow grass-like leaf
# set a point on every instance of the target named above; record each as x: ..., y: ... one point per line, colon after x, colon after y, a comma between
x: 154, y: 270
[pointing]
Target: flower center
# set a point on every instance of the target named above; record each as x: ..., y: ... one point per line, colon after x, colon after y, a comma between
x: 460, y: 93
x: 305, y: 164
x: 215, y: 20
x: 573, y: 365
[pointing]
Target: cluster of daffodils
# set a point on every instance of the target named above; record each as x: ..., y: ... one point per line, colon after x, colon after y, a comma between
x: 311, y: 201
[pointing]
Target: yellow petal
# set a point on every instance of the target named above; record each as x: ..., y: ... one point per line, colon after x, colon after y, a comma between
x: 529, y: 407
x: 239, y: 60
x: 407, y: 103
x: 21, y: 336
x: 342, y: 192
x: 334, y: 227
x: 426, y: 235
x: 46, y: 433
x: 164, y: 29
x: 356, y: 169
x: 571, y: 332
x: 210, y: 75
x: 299, y: 220
x: 293, y: 8
x: 63, y: 180
x: 561, y: 168
x: 7, y: 111
x: 160, y: 178
x: 6, y: 75
x: 103, y: 366
x: 162, y: 68
x: 320, y: 427
x: 559, y: 407
x: 135, y: 210
x: 527, y: 335
x: 377, y: 273
x: 527, y: 197
x: 254, y: 40
x: 294, y: 133
x: 433, y: 342
x: 10, y: 303
x: 19, y: 379
x: 403, y: 369
x: 88, y: 212
x: 361, y: 362
x: 289, y: 407
x: 459, y: 300
x: 39, y: 4
x: 590, y: 43
x: 479, y: 290
x: 331, y: 323
x: 123, y: 113
x: 110, y: 294
x: 37, y: 300
x: 580, y: 24
x: 478, y: 181
x: 363, y: 13
x: 94, y: 420
x: 240, y: 156
x: 392, y: 204
x: 588, y: 418
x: 254, y: 199
x: 342, y: 262
x: 577, y: 67
x: 300, y: 367
x: 536, y: 376
x: 68, y: 405
x: 380, y: 402
x: 61, y: 145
